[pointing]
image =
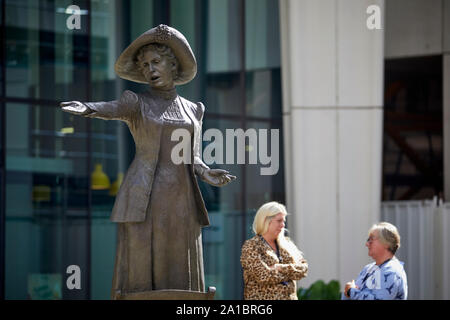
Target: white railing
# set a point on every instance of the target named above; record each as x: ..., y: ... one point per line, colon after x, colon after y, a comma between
x: 424, y: 228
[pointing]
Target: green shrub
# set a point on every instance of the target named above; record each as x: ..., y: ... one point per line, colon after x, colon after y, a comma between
x: 320, y: 291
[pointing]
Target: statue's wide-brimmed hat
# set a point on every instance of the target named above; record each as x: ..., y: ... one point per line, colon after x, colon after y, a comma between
x: 126, y: 66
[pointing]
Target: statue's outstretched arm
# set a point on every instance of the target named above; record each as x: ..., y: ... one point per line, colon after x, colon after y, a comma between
x: 123, y: 109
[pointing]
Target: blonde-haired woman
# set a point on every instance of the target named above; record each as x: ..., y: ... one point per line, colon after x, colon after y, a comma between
x: 270, y: 261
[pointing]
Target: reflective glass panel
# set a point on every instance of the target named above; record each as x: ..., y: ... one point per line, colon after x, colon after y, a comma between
x: 223, y: 36
x: 223, y: 238
x: 265, y: 178
x: 263, y: 91
x: 262, y: 58
x: 186, y: 15
x: 46, y: 203
x: 262, y: 34
x: 223, y: 57
x: 46, y: 55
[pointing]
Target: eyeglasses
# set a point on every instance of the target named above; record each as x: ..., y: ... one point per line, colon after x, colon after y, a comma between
x: 371, y: 239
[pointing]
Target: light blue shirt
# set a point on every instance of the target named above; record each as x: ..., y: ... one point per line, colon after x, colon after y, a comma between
x: 384, y: 282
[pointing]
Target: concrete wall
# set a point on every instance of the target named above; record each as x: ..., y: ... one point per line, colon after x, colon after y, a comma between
x: 414, y: 27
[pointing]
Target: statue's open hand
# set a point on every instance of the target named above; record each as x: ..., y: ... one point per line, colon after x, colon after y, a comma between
x: 217, y: 177
x: 75, y: 107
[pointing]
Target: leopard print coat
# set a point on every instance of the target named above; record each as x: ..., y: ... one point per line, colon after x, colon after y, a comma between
x: 263, y: 283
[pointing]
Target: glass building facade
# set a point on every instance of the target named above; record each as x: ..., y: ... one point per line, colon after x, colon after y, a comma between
x: 59, y: 173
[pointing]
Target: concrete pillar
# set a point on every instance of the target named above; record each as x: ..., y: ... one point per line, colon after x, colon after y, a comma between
x: 332, y: 69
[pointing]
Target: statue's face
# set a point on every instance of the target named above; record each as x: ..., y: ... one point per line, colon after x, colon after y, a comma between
x: 157, y: 70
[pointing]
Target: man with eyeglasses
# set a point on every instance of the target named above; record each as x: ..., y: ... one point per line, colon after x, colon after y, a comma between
x: 384, y: 279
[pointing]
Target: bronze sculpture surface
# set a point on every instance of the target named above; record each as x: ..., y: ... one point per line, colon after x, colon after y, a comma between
x: 159, y: 207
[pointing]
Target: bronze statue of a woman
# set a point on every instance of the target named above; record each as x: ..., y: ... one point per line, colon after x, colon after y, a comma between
x: 159, y: 207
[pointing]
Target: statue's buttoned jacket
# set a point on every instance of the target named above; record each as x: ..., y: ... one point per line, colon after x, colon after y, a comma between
x: 141, y: 114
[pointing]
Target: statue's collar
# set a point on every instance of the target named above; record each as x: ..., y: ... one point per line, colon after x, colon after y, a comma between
x: 163, y: 94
